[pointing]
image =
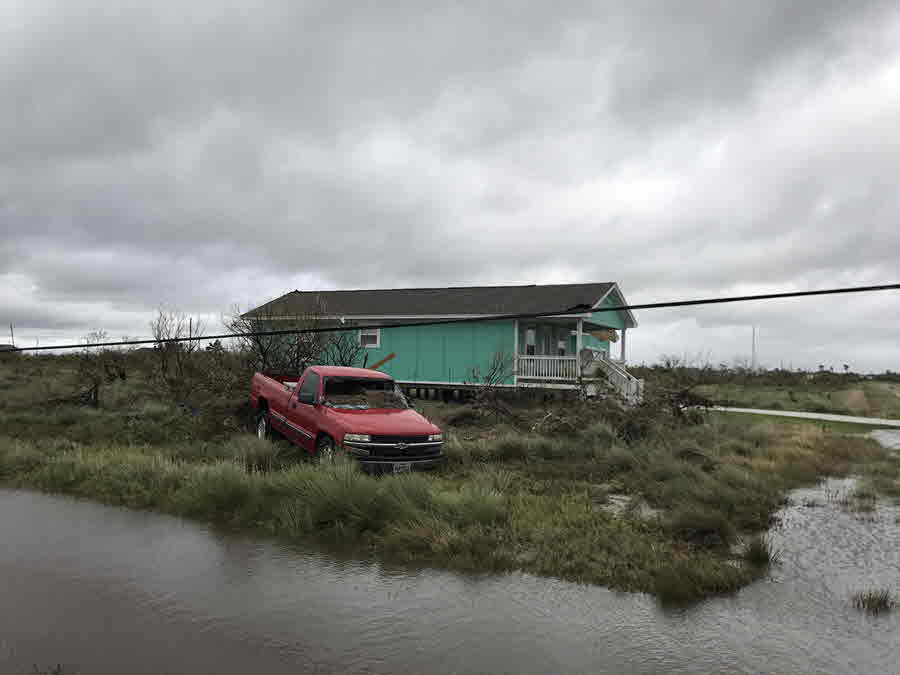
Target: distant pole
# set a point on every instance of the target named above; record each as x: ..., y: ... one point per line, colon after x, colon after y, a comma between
x: 12, y: 336
x: 753, y: 359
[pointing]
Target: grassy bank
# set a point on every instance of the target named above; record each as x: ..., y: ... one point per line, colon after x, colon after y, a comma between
x: 510, y: 501
x: 676, y: 511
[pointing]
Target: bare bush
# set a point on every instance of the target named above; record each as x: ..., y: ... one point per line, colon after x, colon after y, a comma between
x: 488, y: 399
x: 177, y: 337
x: 343, y: 349
x: 96, y: 366
x: 288, y: 353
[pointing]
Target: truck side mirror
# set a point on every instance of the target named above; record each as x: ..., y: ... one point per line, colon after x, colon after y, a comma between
x: 306, y: 397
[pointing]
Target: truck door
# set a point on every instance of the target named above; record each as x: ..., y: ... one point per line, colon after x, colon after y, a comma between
x: 302, y: 411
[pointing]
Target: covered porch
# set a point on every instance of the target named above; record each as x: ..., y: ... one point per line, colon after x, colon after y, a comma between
x: 548, y: 349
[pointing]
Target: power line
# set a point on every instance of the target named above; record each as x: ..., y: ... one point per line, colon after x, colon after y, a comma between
x: 576, y: 309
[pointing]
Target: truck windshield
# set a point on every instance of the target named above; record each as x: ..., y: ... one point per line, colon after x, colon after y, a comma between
x: 359, y: 393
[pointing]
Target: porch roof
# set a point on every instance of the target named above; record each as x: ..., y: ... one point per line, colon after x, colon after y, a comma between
x: 436, y: 302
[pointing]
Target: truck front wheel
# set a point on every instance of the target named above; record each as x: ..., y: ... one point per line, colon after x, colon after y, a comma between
x: 325, y: 450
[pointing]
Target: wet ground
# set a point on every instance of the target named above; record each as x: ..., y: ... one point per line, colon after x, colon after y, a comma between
x: 107, y: 590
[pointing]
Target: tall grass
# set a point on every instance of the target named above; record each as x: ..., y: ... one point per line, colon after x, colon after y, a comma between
x: 507, y: 500
x: 874, y: 600
x: 337, y: 500
x: 760, y: 552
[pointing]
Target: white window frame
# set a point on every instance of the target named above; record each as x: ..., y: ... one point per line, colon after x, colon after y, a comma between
x: 369, y: 331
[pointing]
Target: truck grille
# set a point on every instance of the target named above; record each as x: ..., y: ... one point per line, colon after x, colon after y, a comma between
x: 400, y: 439
x: 406, y: 453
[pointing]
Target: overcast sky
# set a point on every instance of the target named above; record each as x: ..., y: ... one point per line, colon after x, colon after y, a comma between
x: 204, y: 154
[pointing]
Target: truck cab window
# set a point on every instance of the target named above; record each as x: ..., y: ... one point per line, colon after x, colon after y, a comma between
x: 310, y: 385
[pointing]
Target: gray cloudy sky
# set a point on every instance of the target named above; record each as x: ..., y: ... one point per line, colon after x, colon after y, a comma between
x: 209, y: 153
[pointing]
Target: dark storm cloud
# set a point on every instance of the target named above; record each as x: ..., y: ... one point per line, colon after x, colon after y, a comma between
x: 208, y: 154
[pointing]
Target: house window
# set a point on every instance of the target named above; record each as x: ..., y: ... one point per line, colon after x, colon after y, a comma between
x: 370, y: 338
x: 529, y: 340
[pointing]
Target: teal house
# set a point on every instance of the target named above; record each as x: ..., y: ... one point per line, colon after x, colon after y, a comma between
x: 580, y: 342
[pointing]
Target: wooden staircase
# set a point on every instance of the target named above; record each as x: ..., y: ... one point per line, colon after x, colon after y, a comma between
x: 597, y: 364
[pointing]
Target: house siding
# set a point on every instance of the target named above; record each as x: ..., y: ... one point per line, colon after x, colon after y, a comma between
x: 590, y: 342
x: 446, y: 353
x: 611, y: 319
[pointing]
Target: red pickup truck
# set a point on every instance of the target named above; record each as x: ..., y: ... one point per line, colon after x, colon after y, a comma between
x: 359, y: 412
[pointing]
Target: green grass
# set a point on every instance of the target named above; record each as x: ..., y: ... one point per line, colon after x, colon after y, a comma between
x: 534, y: 508
x: 508, y: 499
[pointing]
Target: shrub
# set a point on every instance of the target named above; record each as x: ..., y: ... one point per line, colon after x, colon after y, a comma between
x: 552, y: 448
x: 463, y: 417
x: 618, y: 460
x: 598, y: 436
x: 511, y: 447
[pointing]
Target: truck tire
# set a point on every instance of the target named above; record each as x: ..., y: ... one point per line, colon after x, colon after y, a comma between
x: 263, y: 431
x: 325, y: 450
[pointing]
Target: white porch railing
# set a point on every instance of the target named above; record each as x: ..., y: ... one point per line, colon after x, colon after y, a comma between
x: 548, y: 367
x: 594, y: 365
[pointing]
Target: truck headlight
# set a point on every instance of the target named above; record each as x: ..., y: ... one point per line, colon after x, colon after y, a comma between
x: 359, y: 438
x: 436, y: 437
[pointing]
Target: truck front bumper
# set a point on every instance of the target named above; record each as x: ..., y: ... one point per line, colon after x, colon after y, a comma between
x: 379, y: 466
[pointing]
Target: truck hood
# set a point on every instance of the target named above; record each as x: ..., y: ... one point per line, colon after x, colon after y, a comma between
x: 383, y: 422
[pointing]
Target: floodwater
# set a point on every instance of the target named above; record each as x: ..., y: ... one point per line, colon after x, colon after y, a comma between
x: 106, y: 590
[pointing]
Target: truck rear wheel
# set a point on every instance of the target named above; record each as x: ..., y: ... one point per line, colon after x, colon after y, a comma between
x: 262, y: 426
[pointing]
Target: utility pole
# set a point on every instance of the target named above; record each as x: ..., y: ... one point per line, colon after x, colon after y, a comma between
x: 12, y: 336
x: 753, y: 358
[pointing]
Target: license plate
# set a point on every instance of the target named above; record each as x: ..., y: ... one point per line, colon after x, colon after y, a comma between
x: 402, y: 467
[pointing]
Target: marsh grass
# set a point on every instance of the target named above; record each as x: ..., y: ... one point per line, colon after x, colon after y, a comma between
x: 707, y: 528
x: 52, y: 670
x: 874, y: 600
x: 759, y: 552
x: 506, y: 500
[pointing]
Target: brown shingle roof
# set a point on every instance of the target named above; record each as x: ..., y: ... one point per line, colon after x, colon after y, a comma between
x: 437, y: 301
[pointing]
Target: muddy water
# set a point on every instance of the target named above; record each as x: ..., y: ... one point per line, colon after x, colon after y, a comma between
x: 107, y: 590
